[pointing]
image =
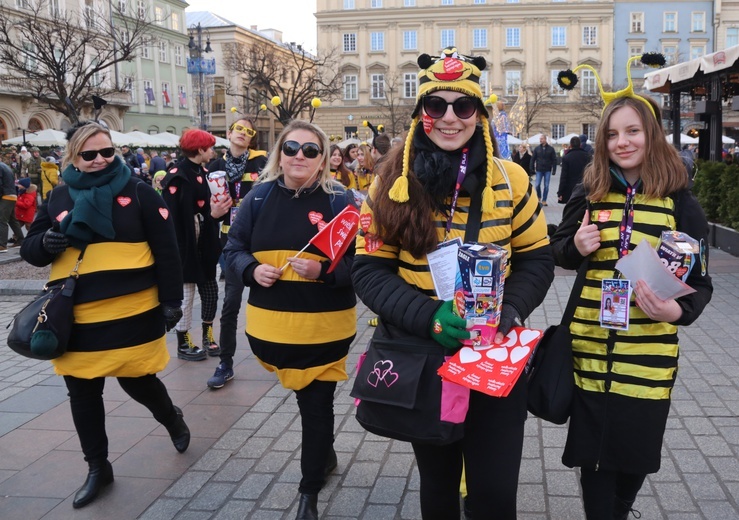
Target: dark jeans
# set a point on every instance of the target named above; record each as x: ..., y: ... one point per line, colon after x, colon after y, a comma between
x: 545, y: 176
x: 491, y: 472
x: 234, y: 291
x: 609, y: 494
x: 316, y: 404
x: 7, y: 218
x: 88, y: 411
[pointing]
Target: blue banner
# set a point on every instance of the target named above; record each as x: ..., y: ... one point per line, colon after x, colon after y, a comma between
x: 201, y: 65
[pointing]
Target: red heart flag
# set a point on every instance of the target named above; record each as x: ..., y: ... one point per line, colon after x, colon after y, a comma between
x: 334, y: 239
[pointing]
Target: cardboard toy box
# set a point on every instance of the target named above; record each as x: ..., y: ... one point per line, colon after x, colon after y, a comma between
x: 678, y: 252
x: 478, y: 291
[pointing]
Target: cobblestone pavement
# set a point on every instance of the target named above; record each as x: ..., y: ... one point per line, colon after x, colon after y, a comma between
x: 250, y: 468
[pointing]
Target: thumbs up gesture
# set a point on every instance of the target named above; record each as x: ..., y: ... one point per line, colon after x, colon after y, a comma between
x: 587, y: 237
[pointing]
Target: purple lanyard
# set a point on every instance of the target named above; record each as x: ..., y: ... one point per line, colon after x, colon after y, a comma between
x: 627, y: 223
x: 457, y: 188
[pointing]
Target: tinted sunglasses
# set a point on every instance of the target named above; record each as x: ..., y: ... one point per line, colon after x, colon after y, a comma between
x: 245, y: 130
x: 310, y: 150
x: 435, y: 106
x: 90, y: 155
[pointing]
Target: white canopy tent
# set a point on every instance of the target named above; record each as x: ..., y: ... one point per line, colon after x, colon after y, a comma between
x: 41, y: 138
x: 534, y: 139
x: 141, y: 139
x: 727, y: 140
x: 512, y: 139
x: 169, y: 138
x: 346, y: 142
x: 565, y: 139
x: 684, y: 139
x: 221, y: 142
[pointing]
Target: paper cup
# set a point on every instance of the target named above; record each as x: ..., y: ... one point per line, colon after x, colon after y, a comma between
x: 218, y: 185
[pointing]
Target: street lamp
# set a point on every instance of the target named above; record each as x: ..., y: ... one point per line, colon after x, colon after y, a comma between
x: 197, y: 65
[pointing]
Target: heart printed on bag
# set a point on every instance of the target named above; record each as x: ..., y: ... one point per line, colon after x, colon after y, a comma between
x: 518, y: 353
x: 529, y: 335
x: 512, y: 337
x: 315, y: 217
x: 61, y: 215
x: 372, y: 243
x: 321, y: 225
x: 384, y: 366
x: 365, y: 220
x: 374, y: 377
x: 468, y: 355
x: 390, y: 378
x: 124, y: 201
x: 173, y: 189
x: 497, y: 354
x: 200, y: 203
x: 164, y: 212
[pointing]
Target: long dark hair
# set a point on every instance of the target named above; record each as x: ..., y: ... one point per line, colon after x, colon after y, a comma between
x: 343, y: 175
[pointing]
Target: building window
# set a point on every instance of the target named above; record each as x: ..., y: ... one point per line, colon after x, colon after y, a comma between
x: 178, y: 56
x: 512, y: 1
x: 556, y: 90
x: 141, y: 9
x: 479, y: 38
x: 149, y: 93
x: 589, y: 130
x: 175, y: 21
x: 89, y: 14
x: 348, y: 4
x: 122, y: 5
x: 30, y: 57
x: 350, y: 42
x: 670, y: 52
x: 513, y: 37
x: 410, y: 84
x: 558, y: 130
x: 480, y: 1
x: 589, y: 83
x: 637, y: 22
x: 350, y: 87
x: 163, y: 51
x: 409, y: 3
x: 145, y: 52
x: 376, y: 4
x: 159, y: 16
x: 696, y: 51
x: 377, y: 41
x: 447, y: 38
x: 377, y: 86
x: 23, y: 4
x: 128, y: 87
x: 559, y: 36
x: 182, y: 95
x: 410, y: 40
x: 512, y: 82
x: 447, y: 2
x: 669, y: 22
x: 590, y: 36
x: 166, y: 99
x: 698, y: 22
x: 54, y: 8
x: 732, y: 36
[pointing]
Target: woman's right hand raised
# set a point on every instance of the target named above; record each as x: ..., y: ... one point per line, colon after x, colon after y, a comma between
x: 266, y: 275
x: 587, y: 237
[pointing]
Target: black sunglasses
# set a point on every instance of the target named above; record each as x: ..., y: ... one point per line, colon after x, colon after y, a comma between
x: 435, y: 106
x: 90, y: 155
x: 310, y: 150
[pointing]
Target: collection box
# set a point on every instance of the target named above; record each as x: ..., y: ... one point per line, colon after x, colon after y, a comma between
x: 678, y: 252
x: 478, y: 291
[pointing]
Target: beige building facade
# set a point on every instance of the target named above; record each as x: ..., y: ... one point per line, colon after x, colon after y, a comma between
x: 526, y: 43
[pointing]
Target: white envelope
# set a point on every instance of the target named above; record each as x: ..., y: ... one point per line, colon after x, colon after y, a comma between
x: 643, y: 263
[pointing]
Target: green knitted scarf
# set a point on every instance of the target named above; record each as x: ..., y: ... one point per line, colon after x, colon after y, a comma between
x: 93, y: 193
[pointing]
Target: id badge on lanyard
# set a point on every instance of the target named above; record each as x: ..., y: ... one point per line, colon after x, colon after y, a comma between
x: 614, y: 303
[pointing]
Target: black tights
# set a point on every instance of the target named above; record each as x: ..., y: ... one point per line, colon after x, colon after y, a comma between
x: 88, y: 410
x: 316, y: 404
x: 609, y: 495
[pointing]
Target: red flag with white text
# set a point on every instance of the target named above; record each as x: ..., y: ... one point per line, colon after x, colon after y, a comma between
x: 334, y: 239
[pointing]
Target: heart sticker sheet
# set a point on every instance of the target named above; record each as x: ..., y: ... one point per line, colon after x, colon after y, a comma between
x: 493, y: 369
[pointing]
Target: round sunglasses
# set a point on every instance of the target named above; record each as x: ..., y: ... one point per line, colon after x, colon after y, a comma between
x: 435, y: 106
x: 310, y: 150
x: 90, y: 155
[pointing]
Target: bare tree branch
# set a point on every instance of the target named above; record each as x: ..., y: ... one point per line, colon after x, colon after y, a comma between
x: 63, y: 58
x: 394, y: 109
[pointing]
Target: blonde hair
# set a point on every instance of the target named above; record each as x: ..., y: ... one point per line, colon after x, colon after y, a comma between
x: 78, y: 139
x: 272, y: 170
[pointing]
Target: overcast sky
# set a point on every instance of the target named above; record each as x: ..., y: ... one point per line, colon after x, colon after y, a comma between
x: 295, y: 18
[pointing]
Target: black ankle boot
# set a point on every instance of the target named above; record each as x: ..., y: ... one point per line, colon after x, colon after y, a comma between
x: 308, y: 507
x: 187, y: 350
x: 179, y: 432
x: 99, y: 476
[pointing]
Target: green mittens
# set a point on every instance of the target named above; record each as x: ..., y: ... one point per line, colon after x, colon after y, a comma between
x: 447, y: 328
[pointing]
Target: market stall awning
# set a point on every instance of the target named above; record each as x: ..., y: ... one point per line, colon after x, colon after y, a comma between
x: 660, y: 80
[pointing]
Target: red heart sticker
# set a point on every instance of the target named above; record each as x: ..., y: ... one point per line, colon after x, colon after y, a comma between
x: 680, y: 272
x: 428, y: 123
x: 164, y: 212
x: 200, y: 179
x: 365, y: 220
x: 254, y: 176
x: 61, y: 215
x: 315, y: 217
x: 453, y: 65
x: 173, y: 189
x: 321, y: 225
x: 372, y: 242
x: 201, y: 203
x: 124, y: 201
x: 604, y: 216
x: 205, y: 169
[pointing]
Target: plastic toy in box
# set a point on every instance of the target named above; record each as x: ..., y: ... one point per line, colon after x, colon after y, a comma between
x: 478, y: 290
x: 678, y: 252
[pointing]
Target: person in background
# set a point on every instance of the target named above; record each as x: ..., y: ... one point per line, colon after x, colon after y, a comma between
x: 414, y: 205
x: 25, y: 206
x: 365, y: 172
x: 156, y: 181
x: 573, y: 166
x: 522, y: 157
x: 339, y: 171
x: 156, y: 163
x: 543, y: 163
x: 634, y: 189
x: 350, y: 156
x: 196, y: 220
x: 300, y: 319
x: 585, y: 146
x: 33, y: 166
x: 395, y: 141
x: 128, y: 293
x: 141, y: 156
x: 49, y: 176
x: 130, y: 158
x: 242, y: 164
x: 8, y: 199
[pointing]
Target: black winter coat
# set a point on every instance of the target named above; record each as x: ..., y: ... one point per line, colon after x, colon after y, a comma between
x: 573, y: 166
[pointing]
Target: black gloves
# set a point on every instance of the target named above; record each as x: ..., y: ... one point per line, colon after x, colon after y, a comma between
x: 54, y: 242
x: 171, y: 315
x: 509, y: 318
